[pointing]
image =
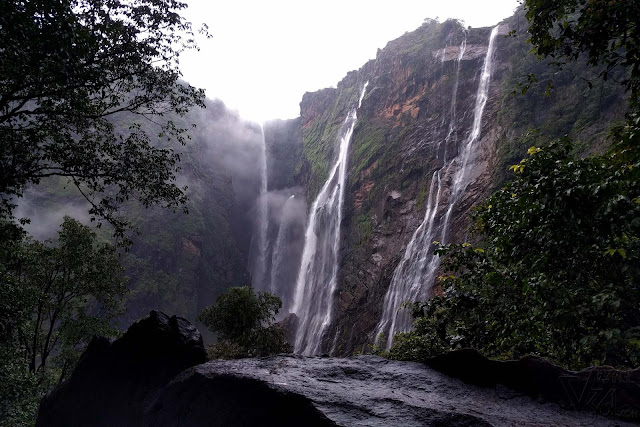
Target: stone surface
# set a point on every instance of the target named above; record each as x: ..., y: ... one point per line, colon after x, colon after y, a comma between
x: 601, y: 389
x: 357, y: 391
x: 113, y: 382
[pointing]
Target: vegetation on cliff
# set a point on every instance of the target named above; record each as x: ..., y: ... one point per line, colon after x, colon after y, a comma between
x: 557, y: 271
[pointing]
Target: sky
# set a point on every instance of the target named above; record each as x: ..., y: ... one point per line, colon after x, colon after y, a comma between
x: 265, y: 54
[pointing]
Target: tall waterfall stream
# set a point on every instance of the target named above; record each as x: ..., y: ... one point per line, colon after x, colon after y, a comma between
x: 413, y: 277
x: 317, y: 279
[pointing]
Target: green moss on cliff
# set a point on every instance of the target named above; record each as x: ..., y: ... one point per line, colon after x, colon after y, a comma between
x: 321, y: 138
x: 365, y: 229
x: 553, y: 104
x: 368, y: 146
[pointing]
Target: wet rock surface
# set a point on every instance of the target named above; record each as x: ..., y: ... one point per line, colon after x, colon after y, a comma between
x: 601, y: 389
x: 113, y: 382
x: 357, y: 391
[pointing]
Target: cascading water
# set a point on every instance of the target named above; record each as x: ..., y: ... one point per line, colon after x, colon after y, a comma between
x: 313, y: 301
x: 259, y: 270
x: 278, y: 284
x: 453, y: 119
x: 413, y: 278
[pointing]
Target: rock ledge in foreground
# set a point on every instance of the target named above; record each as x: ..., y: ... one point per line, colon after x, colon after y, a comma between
x: 599, y: 389
x: 357, y: 391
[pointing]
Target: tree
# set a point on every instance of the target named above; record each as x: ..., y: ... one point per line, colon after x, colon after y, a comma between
x: 70, y: 69
x: 63, y: 294
x: 75, y: 288
x: 605, y: 30
x: 243, y: 321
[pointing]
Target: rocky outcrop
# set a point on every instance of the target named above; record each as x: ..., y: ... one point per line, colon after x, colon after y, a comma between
x: 113, y: 382
x: 289, y: 327
x: 155, y: 375
x: 358, y: 391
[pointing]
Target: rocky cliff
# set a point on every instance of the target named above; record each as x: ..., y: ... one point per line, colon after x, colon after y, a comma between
x: 415, y: 119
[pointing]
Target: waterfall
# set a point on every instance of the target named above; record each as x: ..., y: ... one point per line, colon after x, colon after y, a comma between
x: 453, y: 119
x: 259, y: 270
x: 278, y: 284
x: 317, y: 278
x: 413, y: 277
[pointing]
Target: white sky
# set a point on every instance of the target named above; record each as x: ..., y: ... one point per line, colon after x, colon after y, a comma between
x: 265, y: 54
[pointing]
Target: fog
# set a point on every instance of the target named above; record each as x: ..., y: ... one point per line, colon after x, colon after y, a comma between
x: 263, y: 56
x: 46, y: 213
x: 221, y: 164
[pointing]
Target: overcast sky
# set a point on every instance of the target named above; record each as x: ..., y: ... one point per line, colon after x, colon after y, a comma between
x: 265, y: 54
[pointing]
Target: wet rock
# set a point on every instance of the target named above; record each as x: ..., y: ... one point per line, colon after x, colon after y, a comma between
x: 357, y: 391
x: 602, y: 389
x: 113, y: 382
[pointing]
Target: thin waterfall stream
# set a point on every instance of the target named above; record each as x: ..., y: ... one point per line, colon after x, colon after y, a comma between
x: 259, y: 268
x: 278, y: 259
x: 317, y: 278
x: 413, y: 277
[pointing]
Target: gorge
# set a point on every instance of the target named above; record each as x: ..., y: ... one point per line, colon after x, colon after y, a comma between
x: 336, y: 211
x: 450, y: 235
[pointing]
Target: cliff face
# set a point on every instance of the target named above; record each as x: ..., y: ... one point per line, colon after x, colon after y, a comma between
x: 415, y: 119
x: 416, y: 84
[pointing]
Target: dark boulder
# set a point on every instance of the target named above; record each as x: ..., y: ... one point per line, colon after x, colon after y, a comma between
x: 113, y: 382
x: 197, y: 398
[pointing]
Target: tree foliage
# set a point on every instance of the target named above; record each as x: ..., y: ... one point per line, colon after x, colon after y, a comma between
x: 72, y: 74
x: 68, y: 69
x: 604, y: 30
x: 59, y: 296
x: 243, y: 321
x: 558, y: 271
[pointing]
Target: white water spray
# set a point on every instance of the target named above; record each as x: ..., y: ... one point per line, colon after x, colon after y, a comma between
x: 413, y: 278
x: 278, y: 257
x: 317, y: 279
x: 259, y: 270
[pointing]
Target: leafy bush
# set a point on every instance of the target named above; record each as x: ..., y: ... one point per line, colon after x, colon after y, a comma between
x: 243, y: 321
